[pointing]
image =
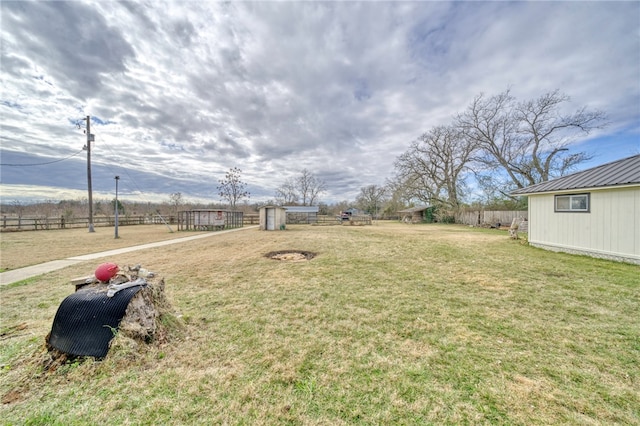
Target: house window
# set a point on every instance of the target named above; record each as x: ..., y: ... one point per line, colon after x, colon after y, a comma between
x: 572, y: 203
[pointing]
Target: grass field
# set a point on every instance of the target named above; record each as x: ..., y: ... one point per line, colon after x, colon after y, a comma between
x: 388, y: 324
x: 20, y: 249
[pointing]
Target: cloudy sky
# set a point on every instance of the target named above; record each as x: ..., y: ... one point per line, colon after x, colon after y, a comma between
x: 180, y: 92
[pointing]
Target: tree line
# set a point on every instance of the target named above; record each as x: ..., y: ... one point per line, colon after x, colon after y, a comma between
x: 502, y: 143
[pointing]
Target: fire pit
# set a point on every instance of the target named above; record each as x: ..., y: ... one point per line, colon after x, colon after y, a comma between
x: 291, y: 255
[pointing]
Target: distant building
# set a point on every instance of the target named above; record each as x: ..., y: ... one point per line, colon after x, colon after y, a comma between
x: 302, y: 214
x: 209, y: 220
x: 417, y: 214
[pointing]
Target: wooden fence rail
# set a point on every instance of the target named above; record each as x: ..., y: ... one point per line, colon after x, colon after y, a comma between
x: 39, y: 223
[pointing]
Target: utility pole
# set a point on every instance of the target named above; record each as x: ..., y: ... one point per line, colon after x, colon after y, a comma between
x: 89, y: 140
x: 116, y: 215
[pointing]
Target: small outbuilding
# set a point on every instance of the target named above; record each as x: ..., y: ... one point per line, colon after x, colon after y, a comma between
x: 209, y: 220
x: 302, y: 214
x: 594, y: 212
x: 272, y: 218
x: 417, y: 214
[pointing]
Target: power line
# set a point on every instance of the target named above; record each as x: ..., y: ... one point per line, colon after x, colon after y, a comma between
x: 40, y: 164
x: 140, y: 192
x: 124, y: 170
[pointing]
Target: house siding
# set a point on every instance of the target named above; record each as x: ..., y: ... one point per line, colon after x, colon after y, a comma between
x: 611, y: 229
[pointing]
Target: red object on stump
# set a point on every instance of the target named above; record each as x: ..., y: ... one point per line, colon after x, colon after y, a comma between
x: 106, y: 271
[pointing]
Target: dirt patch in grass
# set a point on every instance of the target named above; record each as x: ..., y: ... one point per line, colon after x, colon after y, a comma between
x: 290, y: 255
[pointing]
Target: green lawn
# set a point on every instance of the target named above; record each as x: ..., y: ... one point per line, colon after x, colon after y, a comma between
x: 388, y: 324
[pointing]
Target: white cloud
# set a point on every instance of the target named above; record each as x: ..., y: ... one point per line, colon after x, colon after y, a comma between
x: 188, y: 90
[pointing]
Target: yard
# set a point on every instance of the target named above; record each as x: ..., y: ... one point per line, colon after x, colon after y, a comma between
x: 387, y: 324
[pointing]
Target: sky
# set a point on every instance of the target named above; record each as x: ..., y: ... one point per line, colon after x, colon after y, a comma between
x: 180, y: 92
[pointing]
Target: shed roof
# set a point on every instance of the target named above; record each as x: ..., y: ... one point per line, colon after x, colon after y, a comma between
x: 617, y: 173
x: 414, y: 209
x: 302, y: 209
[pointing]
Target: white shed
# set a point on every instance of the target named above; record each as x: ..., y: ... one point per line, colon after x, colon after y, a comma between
x: 594, y: 212
x: 272, y: 218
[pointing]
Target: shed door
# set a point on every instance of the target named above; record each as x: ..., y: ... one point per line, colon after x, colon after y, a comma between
x: 271, y: 219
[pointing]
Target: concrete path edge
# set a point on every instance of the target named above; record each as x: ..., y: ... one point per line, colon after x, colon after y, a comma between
x: 15, y: 275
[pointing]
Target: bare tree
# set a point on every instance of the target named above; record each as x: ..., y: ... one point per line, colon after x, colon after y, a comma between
x: 372, y: 199
x: 231, y: 188
x: 18, y: 207
x: 529, y: 140
x: 175, y: 199
x: 400, y: 197
x: 309, y: 187
x: 286, y: 194
x: 303, y: 189
x: 433, y: 168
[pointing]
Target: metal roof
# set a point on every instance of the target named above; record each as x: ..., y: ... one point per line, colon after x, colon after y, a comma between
x: 616, y: 173
x: 302, y: 209
x: 414, y: 209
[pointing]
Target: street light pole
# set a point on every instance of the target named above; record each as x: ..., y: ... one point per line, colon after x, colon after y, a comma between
x: 89, y: 140
x: 116, y: 219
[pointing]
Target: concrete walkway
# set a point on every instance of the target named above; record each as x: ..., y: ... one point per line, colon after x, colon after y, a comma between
x: 20, y: 274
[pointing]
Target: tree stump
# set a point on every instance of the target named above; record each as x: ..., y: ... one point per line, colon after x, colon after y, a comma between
x: 513, y: 229
x: 142, y: 319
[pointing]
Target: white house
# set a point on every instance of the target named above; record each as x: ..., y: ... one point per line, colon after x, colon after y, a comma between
x: 594, y: 212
